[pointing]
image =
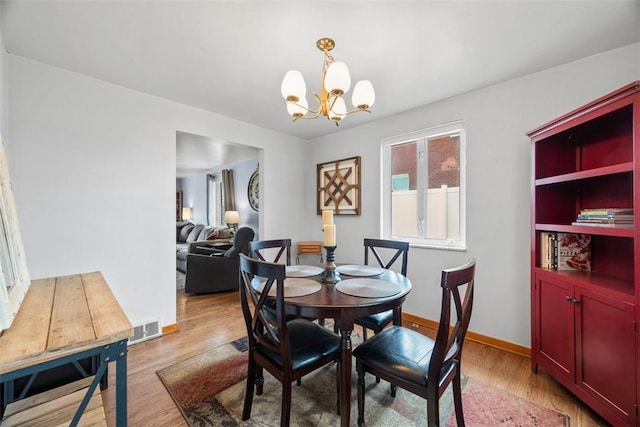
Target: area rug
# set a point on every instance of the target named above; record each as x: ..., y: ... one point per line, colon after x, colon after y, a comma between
x: 209, y: 391
x: 180, y: 279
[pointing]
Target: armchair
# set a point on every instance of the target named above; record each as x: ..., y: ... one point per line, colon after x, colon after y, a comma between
x: 212, y: 270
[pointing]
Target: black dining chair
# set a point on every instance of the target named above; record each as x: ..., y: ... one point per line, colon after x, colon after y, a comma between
x: 417, y: 363
x: 286, y: 349
x: 388, y: 254
x: 260, y: 248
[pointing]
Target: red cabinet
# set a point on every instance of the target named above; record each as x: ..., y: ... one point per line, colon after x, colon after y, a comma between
x: 583, y: 328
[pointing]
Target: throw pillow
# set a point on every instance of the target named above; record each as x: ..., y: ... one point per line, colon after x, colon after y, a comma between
x: 214, y: 234
x: 193, y: 235
x: 184, y: 232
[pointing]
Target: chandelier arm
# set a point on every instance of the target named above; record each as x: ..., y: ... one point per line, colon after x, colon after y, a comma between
x: 309, y: 110
x: 357, y: 110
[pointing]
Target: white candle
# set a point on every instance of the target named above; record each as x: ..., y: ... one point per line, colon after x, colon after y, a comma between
x: 329, y: 235
x: 327, y: 217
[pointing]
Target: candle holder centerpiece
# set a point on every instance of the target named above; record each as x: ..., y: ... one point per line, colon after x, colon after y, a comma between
x: 330, y: 274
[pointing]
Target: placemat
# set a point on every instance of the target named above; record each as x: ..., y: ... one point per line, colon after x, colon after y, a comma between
x: 368, y: 288
x: 359, y: 270
x: 303, y: 270
x: 294, y: 287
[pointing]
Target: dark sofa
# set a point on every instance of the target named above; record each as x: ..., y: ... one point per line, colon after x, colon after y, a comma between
x: 190, y: 235
x: 211, y: 270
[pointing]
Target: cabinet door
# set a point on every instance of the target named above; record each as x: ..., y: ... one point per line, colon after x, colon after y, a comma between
x: 555, y: 326
x: 605, y: 346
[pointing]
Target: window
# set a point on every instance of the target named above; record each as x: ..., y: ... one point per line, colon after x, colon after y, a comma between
x: 423, y: 187
x: 215, y: 200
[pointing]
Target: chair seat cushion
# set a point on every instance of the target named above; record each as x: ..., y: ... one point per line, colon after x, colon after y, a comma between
x: 375, y: 321
x: 401, y: 352
x: 309, y: 343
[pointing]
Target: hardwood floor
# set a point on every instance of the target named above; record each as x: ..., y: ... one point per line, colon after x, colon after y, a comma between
x: 207, y: 321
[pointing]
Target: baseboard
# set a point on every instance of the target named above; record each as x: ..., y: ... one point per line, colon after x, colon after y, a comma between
x: 170, y: 329
x: 415, y: 322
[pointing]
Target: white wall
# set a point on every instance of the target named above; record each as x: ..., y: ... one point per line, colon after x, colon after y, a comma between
x: 94, y: 176
x: 498, y: 183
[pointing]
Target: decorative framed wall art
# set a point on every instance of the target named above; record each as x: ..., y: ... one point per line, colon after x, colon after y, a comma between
x: 339, y: 186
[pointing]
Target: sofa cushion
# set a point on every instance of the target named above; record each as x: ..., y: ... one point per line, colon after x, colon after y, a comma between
x: 194, y: 233
x: 184, y: 230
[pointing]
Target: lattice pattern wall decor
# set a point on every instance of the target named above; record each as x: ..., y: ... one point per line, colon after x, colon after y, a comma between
x: 339, y: 186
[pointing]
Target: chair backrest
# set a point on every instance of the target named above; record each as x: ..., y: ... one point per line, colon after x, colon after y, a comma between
x: 397, y: 250
x: 241, y: 240
x: 265, y: 321
x: 448, y: 345
x: 284, y: 246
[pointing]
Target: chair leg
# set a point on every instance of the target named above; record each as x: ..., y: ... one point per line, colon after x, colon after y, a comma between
x: 259, y: 380
x: 248, y: 394
x: 360, y: 396
x: 364, y: 333
x: 338, y: 387
x: 457, y: 399
x: 285, y: 411
x: 433, y: 413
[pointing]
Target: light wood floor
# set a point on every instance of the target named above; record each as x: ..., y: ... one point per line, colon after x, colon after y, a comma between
x: 207, y: 321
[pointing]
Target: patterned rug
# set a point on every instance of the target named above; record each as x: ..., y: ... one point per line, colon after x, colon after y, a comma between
x: 209, y: 391
x: 180, y: 278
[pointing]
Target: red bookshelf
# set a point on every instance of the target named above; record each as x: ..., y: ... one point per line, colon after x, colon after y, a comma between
x: 583, y: 323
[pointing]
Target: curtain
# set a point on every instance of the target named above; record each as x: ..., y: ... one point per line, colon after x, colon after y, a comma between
x: 229, y: 197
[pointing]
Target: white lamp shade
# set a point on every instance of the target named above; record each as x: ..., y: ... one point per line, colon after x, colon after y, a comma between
x: 337, y: 79
x: 339, y: 110
x: 186, y: 214
x: 300, y: 108
x: 293, y: 85
x: 232, y: 217
x: 363, y: 94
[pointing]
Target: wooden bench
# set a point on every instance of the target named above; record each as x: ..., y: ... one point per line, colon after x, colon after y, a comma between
x: 63, y: 320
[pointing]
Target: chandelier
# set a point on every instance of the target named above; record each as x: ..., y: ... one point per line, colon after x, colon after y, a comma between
x: 335, y: 83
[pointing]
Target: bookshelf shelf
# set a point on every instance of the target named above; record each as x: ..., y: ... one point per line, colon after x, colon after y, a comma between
x: 584, y: 160
x: 584, y: 229
x: 592, y: 173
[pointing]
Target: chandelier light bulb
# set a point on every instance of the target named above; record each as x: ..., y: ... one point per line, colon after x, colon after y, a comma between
x: 293, y: 87
x: 337, y: 80
x: 298, y: 109
x: 363, y: 95
x: 339, y: 110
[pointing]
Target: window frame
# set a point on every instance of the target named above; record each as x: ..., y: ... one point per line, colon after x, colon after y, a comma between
x: 386, y: 184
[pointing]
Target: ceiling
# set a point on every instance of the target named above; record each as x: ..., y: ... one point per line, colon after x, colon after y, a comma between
x: 229, y: 57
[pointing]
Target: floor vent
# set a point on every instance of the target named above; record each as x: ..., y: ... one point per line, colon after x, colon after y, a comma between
x: 145, y: 332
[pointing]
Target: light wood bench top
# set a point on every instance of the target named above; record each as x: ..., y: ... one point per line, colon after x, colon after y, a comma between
x: 61, y: 316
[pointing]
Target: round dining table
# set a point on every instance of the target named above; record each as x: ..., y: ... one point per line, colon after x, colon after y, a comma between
x: 361, y: 291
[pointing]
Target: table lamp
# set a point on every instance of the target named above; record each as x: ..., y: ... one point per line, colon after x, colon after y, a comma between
x: 232, y: 218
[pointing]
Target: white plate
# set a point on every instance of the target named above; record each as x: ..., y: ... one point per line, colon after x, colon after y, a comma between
x: 359, y: 270
x: 303, y: 270
x: 293, y: 287
x: 368, y: 288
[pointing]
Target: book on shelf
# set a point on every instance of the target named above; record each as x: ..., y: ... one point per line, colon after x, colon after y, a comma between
x: 604, y: 224
x: 548, y: 248
x: 607, y: 211
x: 565, y: 251
x: 574, y: 251
x: 606, y: 217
